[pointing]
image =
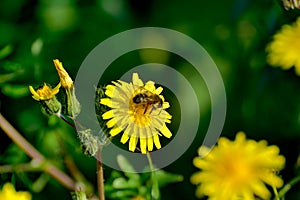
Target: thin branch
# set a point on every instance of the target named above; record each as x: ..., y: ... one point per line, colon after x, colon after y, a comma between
x: 24, y: 167
x: 50, y: 169
x: 78, y: 176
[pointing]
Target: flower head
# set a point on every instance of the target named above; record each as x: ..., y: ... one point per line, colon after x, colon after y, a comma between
x: 283, y: 51
x: 8, y: 192
x: 238, y: 169
x: 65, y: 79
x: 138, y: 110
x: 44, y: 93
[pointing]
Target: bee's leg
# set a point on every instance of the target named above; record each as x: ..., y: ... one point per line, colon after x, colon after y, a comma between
x: 160, y: 111
x: 146, y: 108
x: 151, y: 110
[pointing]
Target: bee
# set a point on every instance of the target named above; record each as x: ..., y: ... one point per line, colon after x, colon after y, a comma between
x: 147, y: 99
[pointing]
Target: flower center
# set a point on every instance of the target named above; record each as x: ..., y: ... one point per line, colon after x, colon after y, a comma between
x: 235, y: 169
x: 140, y: 114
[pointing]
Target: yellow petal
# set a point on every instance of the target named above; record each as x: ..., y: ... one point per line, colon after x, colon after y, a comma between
x: 150, y: 86
x: 35, y: 95
x: 115, y: 131
x: 106, y: 101
x: 165, y: 131
x: 107, y: 115
x: 124, y: 138
x: 158, y: 90
x: 56, y: 89
x: 156, y: 141
x: 109, y: 90
x: 150, y: 143
x: 136, y: 80
x: 111, y: 123
x: 143, y: 145
x: 65, y: 79
x: 260, y: 189
x: 166, y: 105
x: 132, y: 143
x: 168, y: 116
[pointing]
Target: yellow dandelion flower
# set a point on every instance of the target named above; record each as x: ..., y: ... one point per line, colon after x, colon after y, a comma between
x: 8, y: 192
x: 44, y: 93
x: 65, y: 79
x: 283, y: 51
x: 238, y: 170
x: 138, y: 110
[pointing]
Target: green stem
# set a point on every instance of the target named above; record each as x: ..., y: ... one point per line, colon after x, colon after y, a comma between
x: 155, y: 194
x: 50, y: 169
x: 288, y: 186
x: 275, y: 193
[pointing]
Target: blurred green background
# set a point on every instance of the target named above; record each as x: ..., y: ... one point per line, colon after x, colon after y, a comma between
x: 262, y: 101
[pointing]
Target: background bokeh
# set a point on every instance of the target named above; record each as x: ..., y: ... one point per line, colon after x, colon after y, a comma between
x: 262, y: 101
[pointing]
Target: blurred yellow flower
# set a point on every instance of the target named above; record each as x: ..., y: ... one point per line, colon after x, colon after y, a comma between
x: 238, y: 170
x: 65, y: 79
x: 44, y: 93
x: 8, y: 192
x: 284, y: 50
x: 138, y: 110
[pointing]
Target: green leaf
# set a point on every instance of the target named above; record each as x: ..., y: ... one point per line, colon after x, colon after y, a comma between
x: 15, y: 91
x: 6, y: 51
x: 122, y: 194
x: 127, y: 168
x: 164, y: 178
x: 122, y: 183
x: 7, y: 77
x: 49, y: 144
x: 14, y: 155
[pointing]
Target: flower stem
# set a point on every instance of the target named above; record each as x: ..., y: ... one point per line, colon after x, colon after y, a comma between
x: 66, y: 120
x: 100, y: 177
x: 155, y: 194
x: 50, y: 169
x: 288, y: 186
x: 275, y: 193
